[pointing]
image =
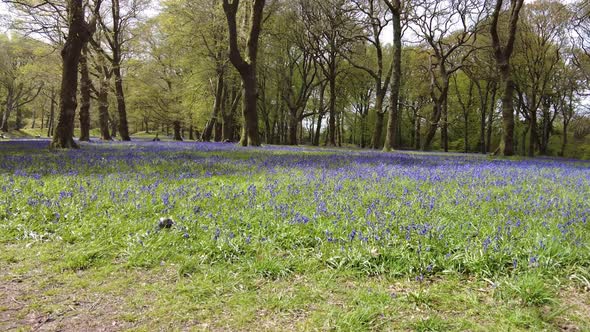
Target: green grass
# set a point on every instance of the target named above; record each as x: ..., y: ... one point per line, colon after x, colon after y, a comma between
x: 81, y: 246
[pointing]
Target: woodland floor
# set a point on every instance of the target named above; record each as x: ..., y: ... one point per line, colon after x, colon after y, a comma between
x: 255, y: 247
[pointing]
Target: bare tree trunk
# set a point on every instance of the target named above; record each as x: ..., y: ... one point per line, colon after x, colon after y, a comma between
x: 445, y: 126
x: 564, y: 138
x: 466, y: 132
x: 532, y: 128
x: 392, y: 121
x: 119, y: 92
x: 121, y: 106
x: 84, y: 96
x: 491, y: 118
x: 51, y: 119
x: 339, y: 129
x: 103, y: 110
x: 418, y: 142
x: 483, y: 106
x: 508, y: 114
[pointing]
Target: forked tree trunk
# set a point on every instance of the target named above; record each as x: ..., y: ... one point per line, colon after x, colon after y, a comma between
x: 78, y: 34
x: 502, y: 55
x: 246, y: 67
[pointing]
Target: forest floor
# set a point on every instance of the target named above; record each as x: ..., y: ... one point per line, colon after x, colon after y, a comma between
x: 281, y: 239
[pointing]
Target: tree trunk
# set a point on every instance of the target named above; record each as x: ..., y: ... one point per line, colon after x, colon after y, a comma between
x: 116, y: 62
x: 51, y: 119
x: 491, y: 118
x: 227, y: 128
x: 293, y: 124
x: 177, y: 130
x: 483, y: 106
x: 217, y: 132
x: 84, y: 96
x: 378, y: 132
x: 103, y: 110
x: 508, y: 113
x: 445, y: 126
x: 9, y: 107
x: 532, y: 129
x: 318, y: 127
x: 209, y: 127
x: 392, y: 121
x: 318, y: 130
x: 564, y: 138
x: 18, y: 124
x: 121, y: 106
x: 78, y: 34
x: 246, y: 67
x: 331, y: 141
x: 208, y: 130
x: 466, y: 133
x: 251, y: 136
x: 114, y: 126
x: 339, y: 128
x: 434, y: 120
x: 418, y: 142
x: 502, y: 56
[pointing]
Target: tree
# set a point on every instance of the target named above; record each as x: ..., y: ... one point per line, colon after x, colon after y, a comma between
x: 502, y: 55
x: 18, y: 77
x: 539, y: 46
x: 103, y: 74
x: 79, y: 33
x: 117, y: 34
x: 481, y: 70
x: 448, y: 28
x: 295, y: 66
x: 246, y: 66
x: 160, y: 77
x: 395, y: 6
x: 331, y: 33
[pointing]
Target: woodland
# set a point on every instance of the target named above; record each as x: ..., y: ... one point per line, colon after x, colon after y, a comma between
x: 303, y: 165
x: 504, y: 77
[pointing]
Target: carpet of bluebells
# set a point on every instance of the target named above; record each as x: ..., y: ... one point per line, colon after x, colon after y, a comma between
x: 281, y: 209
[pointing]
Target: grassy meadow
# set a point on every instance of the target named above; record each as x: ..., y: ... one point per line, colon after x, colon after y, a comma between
x: 149, y: 236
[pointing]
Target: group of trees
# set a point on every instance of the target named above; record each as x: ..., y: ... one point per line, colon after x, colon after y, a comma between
x: 469, y: 75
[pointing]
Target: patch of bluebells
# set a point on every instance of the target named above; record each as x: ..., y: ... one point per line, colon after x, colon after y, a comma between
x: 426, y: 212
